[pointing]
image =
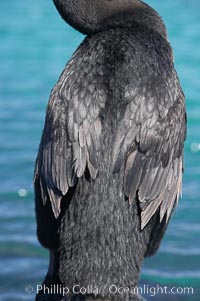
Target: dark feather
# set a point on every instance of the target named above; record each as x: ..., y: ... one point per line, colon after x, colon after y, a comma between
x: 151, y: 148
x: 72, y: 133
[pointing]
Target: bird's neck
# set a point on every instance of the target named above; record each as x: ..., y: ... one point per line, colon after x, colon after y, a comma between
x: 92, y: 16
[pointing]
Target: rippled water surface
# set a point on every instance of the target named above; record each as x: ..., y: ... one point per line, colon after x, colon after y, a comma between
x: 35, y: 45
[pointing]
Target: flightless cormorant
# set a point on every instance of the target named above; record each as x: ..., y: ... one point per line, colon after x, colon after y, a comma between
x: 109, y: 168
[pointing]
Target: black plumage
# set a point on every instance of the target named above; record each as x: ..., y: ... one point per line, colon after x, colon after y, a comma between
x: 110, y: 159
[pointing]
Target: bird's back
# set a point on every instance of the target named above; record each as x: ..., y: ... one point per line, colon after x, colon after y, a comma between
x: 101, y: 152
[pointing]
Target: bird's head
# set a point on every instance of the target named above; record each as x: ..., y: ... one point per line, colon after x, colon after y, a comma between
x: 91, y: 16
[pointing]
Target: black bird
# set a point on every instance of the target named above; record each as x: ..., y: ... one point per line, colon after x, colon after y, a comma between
x: 109, y: 167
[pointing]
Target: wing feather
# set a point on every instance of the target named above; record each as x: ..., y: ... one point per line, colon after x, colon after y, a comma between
x: 149, y: 145
x: 71, y: 137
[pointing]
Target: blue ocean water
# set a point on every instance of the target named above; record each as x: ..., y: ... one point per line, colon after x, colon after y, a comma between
x: 35, y: 46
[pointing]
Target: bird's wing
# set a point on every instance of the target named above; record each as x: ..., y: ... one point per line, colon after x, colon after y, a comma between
x: 71, y: 135
x: 149, y: 144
